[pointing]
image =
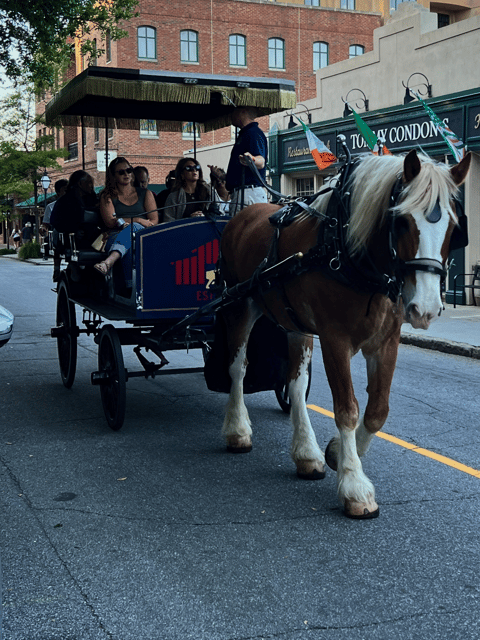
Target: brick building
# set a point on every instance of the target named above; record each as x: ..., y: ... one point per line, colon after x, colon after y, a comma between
x: 255, y: 38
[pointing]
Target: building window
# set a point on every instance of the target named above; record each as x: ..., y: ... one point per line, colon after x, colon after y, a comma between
x: 394, y: 3
x: 147, y: 43
x: 84, y: 136
x: 347, y: 4
x: 356, y: 50
x: 148, y: 129
x: 312, y: 3
x: 237, y: 50
x: 320, y: 55
x: 108, y: 47
x: 443, y: 20
x: 187, y: 131
x: 305, y: 187
x: 276, y: 53
x: 96, y: 131
x: 72, y: 149
x: 189, y: 46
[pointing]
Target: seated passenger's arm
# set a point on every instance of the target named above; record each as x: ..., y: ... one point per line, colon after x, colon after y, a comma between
x: 152, y: 216
x: 107, y: 211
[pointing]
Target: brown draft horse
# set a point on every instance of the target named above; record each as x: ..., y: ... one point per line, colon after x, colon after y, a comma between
x: 345, y: 320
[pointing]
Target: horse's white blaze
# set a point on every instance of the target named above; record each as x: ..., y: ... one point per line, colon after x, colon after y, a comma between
x: 353, y: 484
x: 422, y: 299
x: 304, y: 442
x: 237, y: 421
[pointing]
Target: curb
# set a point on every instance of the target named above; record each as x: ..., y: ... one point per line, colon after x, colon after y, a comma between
x: 445, y: 346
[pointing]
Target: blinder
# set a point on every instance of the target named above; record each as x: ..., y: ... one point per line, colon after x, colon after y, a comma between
x: 459, y: 237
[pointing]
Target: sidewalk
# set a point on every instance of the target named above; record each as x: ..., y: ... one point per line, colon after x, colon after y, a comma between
x: 456, y: 331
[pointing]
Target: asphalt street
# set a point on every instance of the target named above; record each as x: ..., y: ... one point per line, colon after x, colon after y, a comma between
x: 156, y: 533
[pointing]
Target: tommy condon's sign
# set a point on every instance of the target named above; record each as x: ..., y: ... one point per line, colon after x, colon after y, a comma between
x: 408, y: 133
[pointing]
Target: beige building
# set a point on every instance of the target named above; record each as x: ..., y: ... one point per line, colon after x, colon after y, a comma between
x: 410, y: 52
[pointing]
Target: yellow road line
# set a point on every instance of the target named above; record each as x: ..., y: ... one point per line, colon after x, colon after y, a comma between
x: 411, y: 447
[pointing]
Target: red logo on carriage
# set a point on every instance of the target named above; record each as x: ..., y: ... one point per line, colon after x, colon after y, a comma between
x: 193, y: 270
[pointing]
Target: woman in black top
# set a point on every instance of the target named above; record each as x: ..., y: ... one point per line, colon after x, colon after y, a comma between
x: 191, y: 196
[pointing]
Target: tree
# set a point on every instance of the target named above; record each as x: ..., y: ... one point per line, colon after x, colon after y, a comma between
x: 36, y: 36
x: 23, y: 156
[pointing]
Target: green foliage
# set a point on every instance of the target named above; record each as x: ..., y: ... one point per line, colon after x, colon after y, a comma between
x: 29, y: 250
x: 36, y: 37
x: 23, y: 157
x: 6, y: 252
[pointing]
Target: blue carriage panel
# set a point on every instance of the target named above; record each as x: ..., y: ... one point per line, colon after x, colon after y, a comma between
x: 175, y: 265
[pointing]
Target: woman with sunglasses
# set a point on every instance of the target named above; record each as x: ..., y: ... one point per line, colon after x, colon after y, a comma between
x: 120, y: 197
x: 191, y: 196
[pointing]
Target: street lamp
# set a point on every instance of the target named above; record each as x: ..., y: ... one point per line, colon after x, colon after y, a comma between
x: 45, y: 182
x: 362, y: 99
x: 7, y: 230
x: 427, y: 91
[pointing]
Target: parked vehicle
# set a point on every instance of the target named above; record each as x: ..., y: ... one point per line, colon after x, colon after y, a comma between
x: 6, y: 325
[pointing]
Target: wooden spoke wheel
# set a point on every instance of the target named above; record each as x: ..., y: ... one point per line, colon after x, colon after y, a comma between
x: 66, y: 333
x: 113, y: 385
x: 282, y: 392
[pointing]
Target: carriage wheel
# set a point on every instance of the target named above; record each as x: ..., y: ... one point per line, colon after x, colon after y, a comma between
x: 66, y: 335
x: 282, y: 393
x: 113, y: 388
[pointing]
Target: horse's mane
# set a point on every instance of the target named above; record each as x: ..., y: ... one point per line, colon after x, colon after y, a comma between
x: 371, y: 185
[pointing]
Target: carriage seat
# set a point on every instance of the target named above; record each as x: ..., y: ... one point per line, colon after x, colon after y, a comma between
x: 77, y: 246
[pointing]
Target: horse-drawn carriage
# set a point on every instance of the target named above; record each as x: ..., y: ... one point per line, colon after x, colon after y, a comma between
x: 173, y: 263
x: 366, y: 254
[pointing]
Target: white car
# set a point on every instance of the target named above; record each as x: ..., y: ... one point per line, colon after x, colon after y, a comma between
x: 6, y: 325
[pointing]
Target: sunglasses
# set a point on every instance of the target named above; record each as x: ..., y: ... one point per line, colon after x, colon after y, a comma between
x: 122, y: 172
x: 192, y: 167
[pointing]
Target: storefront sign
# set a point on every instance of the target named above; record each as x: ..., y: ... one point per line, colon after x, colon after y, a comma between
x: 473, y: 122
x: 409, y: 133
x: 297, y: 150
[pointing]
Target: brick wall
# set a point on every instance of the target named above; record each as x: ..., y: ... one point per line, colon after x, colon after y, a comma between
x: 214, y: 21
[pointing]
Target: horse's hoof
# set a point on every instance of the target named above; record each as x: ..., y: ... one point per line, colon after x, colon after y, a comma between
x: 356, y: 511
x: 232, y: 449
x: 239, y: 444
x: 331, y: 455
x: 309, y: 470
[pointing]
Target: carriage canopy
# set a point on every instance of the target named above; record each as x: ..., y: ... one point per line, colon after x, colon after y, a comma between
x: 170, y: 98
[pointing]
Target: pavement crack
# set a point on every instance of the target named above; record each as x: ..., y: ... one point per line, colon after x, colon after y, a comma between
x: 46, y: 533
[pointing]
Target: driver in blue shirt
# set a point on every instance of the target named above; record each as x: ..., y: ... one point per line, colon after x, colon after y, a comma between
x: 251, y: 143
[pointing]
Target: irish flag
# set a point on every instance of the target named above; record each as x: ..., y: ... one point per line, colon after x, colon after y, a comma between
x: 321, y: 154
x: 454, y: 143
x: 368, y: 135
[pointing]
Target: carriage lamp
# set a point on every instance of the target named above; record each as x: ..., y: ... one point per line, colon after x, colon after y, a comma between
x: 360, y: 102
x: 426, y: 91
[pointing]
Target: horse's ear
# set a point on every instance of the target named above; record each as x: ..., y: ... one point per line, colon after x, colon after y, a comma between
x: 411, y: 166
x: 460, y: 170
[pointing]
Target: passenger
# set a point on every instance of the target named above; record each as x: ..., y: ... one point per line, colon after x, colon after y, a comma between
x: 120, y: 198
x: 191, y: 196
x: 218, y: 179
x: 142, y: 177
x: 68, y: 215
